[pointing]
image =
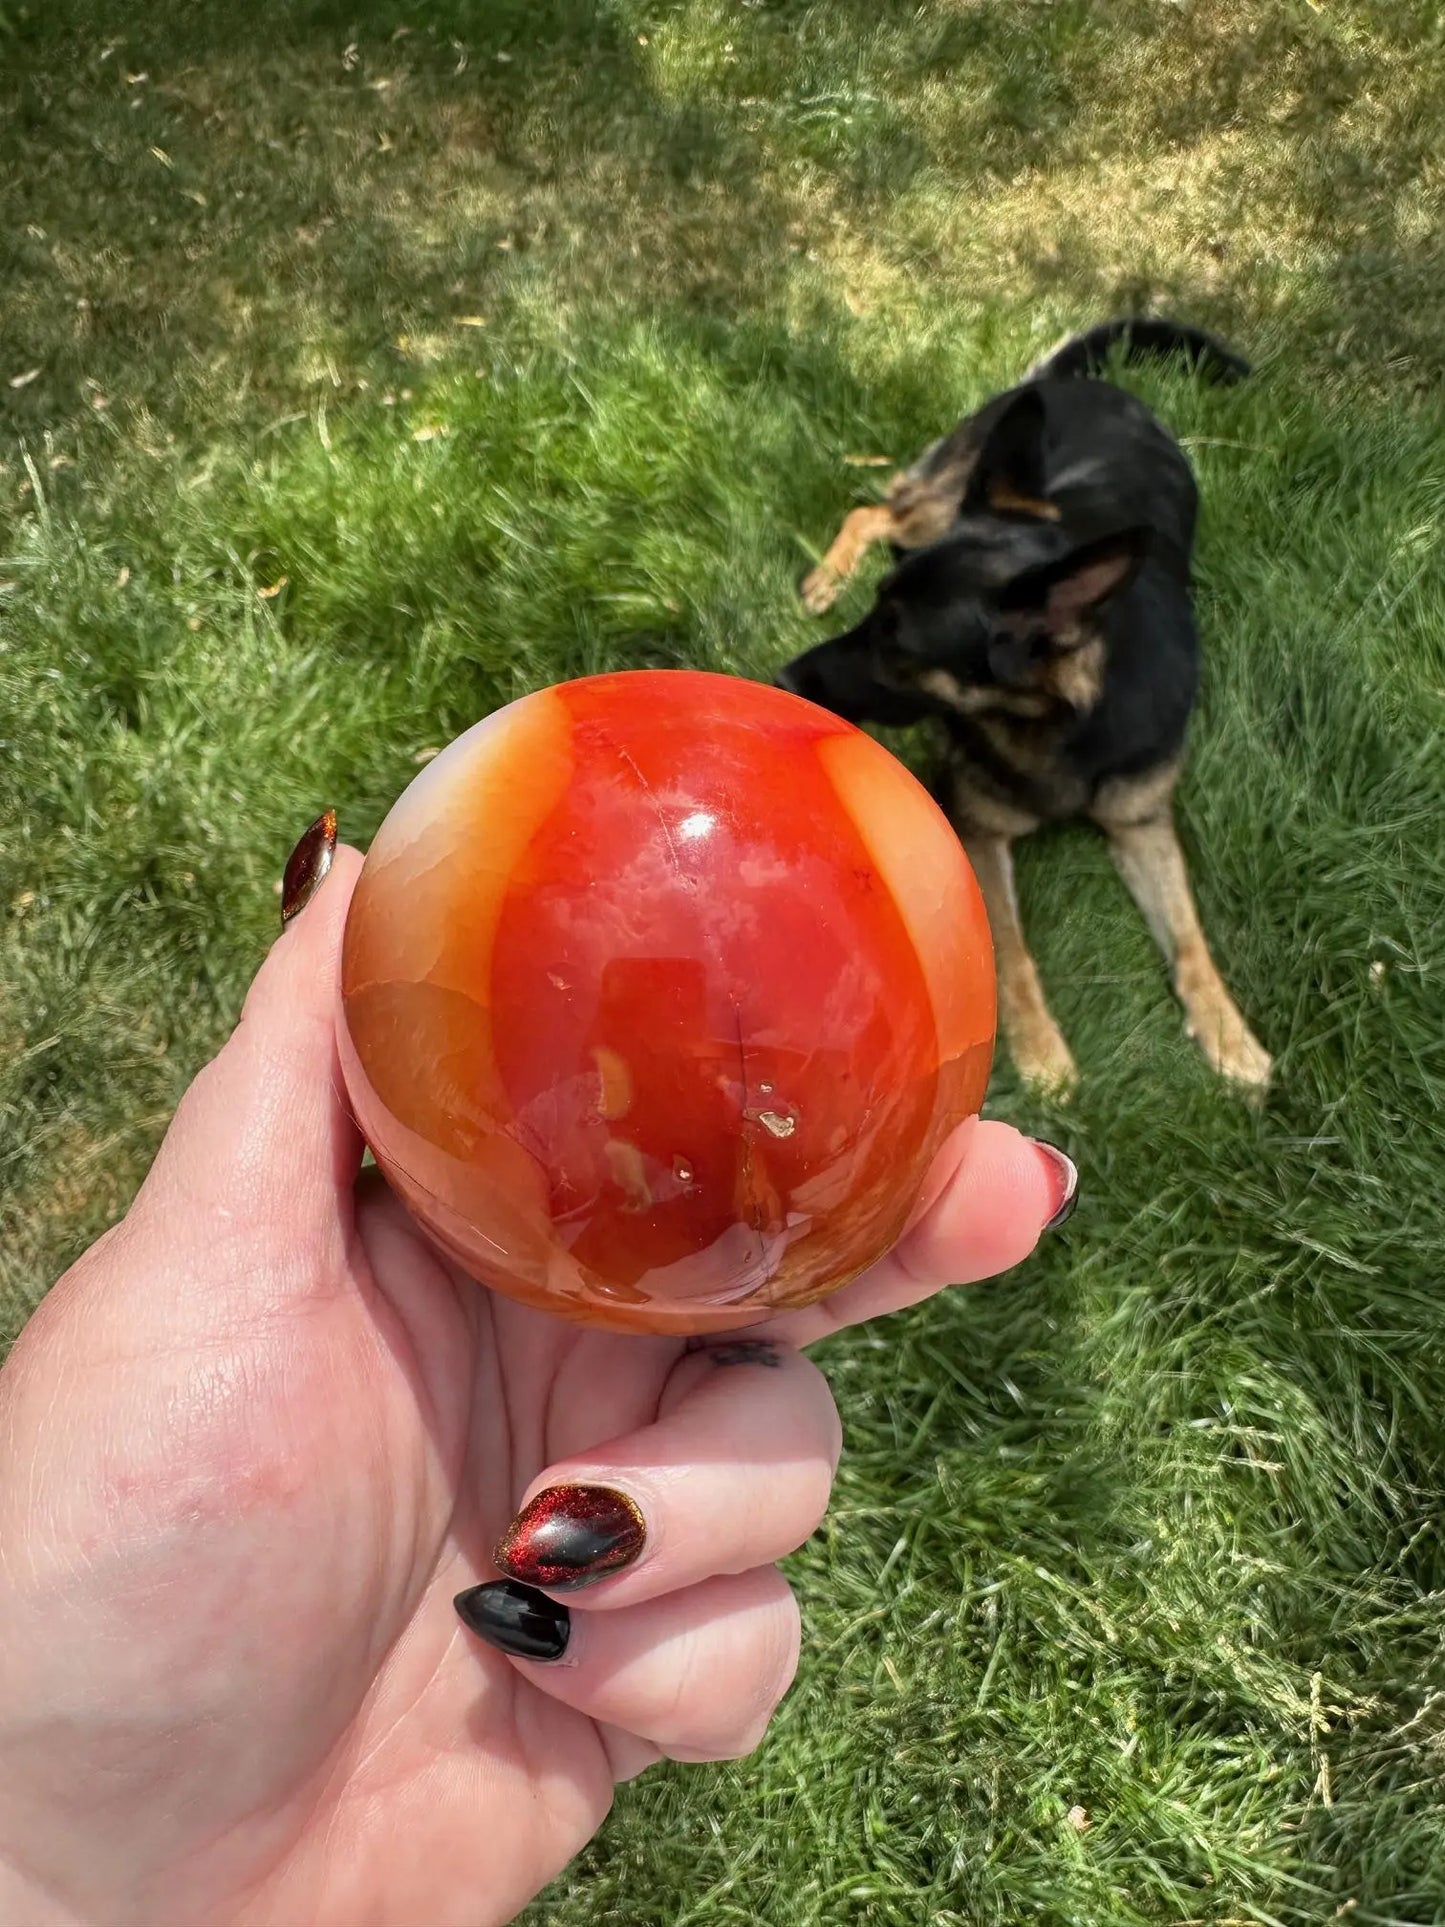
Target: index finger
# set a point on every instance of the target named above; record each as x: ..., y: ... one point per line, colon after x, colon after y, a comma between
x: 995, y: 1194
x: 266, y: 1122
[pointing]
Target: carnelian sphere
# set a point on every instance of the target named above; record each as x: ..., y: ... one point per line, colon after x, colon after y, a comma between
x: 660, y: 991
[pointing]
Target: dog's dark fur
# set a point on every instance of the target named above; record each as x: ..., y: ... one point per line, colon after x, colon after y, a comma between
x: 1040, y: 607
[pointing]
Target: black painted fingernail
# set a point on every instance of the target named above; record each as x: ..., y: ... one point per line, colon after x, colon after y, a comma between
x: 307, y: 866
x: 571, y: 1536
x: 1064, y: 1177
x: 517, y: 1620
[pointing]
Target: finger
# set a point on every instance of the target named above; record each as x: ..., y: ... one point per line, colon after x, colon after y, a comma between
x: 996, y: 1193
x: 627, y: 1756
x: 698, y: 1674
x: 734, y: 1473
x: 266, y: 1122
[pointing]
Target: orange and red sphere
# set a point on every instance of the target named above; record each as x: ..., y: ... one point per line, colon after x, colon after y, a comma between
x: 660, y: 992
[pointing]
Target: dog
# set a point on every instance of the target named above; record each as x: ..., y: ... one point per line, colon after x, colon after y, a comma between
x: 1040, y: 607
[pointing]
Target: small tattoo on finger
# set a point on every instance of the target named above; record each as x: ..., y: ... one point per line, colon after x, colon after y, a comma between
x: 742, y: 1351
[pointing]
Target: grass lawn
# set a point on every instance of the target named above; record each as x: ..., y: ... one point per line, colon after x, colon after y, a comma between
x: 362, y: 368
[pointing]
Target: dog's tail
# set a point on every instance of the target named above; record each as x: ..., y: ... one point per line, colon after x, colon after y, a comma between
x: 1088, y: 353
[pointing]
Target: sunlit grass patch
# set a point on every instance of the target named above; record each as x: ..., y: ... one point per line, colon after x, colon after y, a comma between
x: 438, y: 354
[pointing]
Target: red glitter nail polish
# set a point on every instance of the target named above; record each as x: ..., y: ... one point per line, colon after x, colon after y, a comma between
x: 570, y: 1536
x: 308, y: 865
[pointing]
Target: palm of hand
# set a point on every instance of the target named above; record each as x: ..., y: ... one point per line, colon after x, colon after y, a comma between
x: 312, y: 1494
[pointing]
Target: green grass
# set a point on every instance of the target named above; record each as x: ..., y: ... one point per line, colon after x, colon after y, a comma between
x: 1150, y: 1529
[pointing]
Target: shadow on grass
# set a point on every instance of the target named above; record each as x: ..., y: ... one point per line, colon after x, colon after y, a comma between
x: 274, y: 196
x: 221, y: 213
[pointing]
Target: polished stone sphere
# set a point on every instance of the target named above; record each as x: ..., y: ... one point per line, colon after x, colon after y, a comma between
x: 660, y: 992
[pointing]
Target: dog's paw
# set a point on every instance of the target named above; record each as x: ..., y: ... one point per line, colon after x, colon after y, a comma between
x: 1235, y: 1052
x: 1045, y: 1063
x: 1247, y: 1063
x: 819, y: 590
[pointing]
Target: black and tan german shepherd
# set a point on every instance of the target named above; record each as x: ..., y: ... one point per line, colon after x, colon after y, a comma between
x: 1040, y: 606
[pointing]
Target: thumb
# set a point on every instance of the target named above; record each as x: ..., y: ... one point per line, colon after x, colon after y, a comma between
x: 265, y: 1127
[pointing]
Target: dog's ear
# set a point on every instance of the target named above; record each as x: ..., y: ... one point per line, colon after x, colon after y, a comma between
x: 1060, y: 597
x: 1008, y: 476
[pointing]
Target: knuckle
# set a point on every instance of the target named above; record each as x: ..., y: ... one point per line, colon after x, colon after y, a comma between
x: 764, y: 1669
x: 835, y: 1443
x: 815, y: 1494
x: 829, y: 1420
x: 775, y: 1664
x: 743, y: 1744
x: 788, y: 1648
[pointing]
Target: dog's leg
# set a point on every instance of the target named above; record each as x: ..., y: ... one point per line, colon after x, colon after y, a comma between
x: 1035, y: 1041
x: 861, y: 528
x: 1152, y: 865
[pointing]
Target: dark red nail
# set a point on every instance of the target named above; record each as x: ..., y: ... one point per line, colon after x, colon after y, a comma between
x: 571, y: 1536
x: 516, y: 1620
x: 307, y: 866
x: 1064, y: 1177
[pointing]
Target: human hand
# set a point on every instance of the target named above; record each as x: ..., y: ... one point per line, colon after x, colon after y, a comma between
x: 261, y: 1435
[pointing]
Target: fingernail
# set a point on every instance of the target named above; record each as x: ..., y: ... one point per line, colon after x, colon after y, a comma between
x: 516, y: 1620
x: 571, y: 1536
x: 307, y: 866
x: 1064, y: 1177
